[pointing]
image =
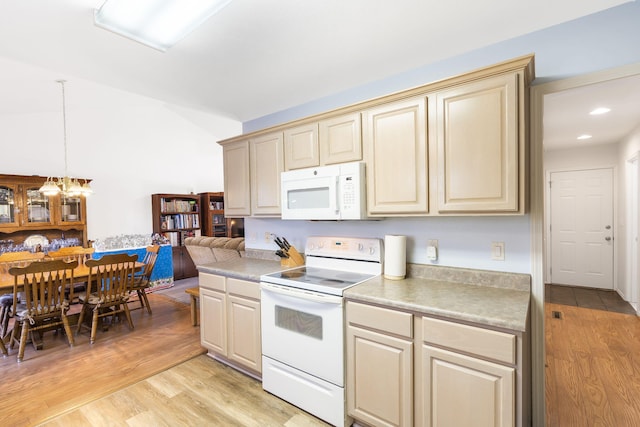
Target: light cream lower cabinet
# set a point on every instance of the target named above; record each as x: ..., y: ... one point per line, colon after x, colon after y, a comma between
x: 230, y: 320
x: 410, y: 370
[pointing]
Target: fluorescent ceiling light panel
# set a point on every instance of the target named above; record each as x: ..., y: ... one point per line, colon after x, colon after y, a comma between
x: 156, y: 23
x: 585, y: 136
x: 599, y: 110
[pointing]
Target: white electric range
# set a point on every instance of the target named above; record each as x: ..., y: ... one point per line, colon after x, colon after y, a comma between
x: 303, y: 323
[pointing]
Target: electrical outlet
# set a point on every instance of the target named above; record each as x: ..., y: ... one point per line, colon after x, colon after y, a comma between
x: 497, y: 251
x: 432, y: 250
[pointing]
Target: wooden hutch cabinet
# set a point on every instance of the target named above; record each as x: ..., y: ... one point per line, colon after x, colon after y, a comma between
x: 177, y: 216
x: 25, y: 211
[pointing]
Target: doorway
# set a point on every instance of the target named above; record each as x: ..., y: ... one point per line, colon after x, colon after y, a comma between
x: 581, y: 228
x: 537, y: 212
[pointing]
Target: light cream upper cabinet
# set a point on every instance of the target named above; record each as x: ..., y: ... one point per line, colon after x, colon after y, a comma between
x: 395, y: 151
x: 379, y: 365
x: 301, y: 147
x: 480, y: 146
x: 340, y: 139
x: 267, y: 162
x: 237, y: 181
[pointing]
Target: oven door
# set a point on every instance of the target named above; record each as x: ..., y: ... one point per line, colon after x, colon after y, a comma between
x: 304, y: 330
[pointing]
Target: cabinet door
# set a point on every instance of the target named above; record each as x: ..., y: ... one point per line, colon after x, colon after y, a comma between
x: 301, y: 147
x: 9, y: 206
x: 244, y: 331
x: 266, y: 165
x: 395, y: 149
x: 340, y: 139
x: 464, y: 391
x: 237, y: 182
x: 379, y: 378
x: 213, y: 320
x: 479, y: 146
x: 38, y: 208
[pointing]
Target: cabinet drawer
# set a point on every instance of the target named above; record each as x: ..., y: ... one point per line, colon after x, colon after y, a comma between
x: 382, y: 319
x: 211, y: 281
x: 243, y: 288
x: 482, y: 342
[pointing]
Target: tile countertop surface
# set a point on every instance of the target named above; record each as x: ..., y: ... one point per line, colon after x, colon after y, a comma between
x: 484, y: 298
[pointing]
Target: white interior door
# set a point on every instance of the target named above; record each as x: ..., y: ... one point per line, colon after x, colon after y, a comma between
x: 582, y: 228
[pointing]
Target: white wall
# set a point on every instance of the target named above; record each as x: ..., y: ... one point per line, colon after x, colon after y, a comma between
x: 629, y: 148
x: 131, y: 146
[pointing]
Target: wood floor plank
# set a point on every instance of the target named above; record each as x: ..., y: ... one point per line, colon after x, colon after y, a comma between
x: 593, y: 367
x: 205, y: 392
x: 59, y: 378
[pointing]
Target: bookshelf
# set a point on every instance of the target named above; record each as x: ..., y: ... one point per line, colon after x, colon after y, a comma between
x: 214, y: 223
x: 177, y: 216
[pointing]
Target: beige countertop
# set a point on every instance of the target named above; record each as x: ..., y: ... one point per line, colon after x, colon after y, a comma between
x: 486, y: 298
x: 504, y: 306
x: 242, y: 268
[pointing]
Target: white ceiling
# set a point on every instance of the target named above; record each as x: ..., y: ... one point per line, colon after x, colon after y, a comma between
x: 257, y: 57
x: 566, y: 114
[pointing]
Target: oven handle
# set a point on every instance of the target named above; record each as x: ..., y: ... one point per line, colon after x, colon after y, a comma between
x: 302, y: 294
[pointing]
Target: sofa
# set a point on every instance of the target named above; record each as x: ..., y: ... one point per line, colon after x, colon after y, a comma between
x: 206, y: 250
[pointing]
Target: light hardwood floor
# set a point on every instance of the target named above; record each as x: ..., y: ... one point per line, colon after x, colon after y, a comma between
x: 199, y: 392
x: 156, y: 375
x: 592, y: 367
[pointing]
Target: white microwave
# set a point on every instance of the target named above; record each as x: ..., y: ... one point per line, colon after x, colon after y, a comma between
x: 335, y: 192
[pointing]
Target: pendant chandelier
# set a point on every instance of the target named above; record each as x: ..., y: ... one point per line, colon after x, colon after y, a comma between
x: 67, y: 186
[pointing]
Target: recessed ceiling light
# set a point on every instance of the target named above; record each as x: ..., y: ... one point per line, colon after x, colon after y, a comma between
x: 585, y: 136
x: 600, y: 110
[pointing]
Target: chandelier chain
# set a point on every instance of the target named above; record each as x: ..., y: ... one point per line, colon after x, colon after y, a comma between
x: 64, y: 126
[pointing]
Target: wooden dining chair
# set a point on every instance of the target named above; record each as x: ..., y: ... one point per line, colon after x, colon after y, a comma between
x: 8, y: 260
x: 71, y: 253
x: 43, y: 286
x: 142, y: 280
x: 109, y: 281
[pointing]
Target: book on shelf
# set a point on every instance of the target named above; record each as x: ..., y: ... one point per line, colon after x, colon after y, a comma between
x: 175, y: 205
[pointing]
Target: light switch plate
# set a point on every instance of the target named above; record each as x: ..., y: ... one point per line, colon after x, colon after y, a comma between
x: 497, y: 251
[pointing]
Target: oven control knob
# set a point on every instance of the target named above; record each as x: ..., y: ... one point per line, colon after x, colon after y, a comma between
x: 372, y: 250
x: 360, y: 247
x: 311, y: 246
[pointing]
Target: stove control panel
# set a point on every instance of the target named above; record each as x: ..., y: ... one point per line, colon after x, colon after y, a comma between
x: 355, y: 248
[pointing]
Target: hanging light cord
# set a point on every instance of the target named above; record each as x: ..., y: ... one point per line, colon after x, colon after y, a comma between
x: 64, y: 127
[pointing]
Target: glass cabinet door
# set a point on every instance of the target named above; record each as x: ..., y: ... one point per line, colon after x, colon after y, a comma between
x: 8, y: 209
x: 38, y: 206
x: 70, y: 209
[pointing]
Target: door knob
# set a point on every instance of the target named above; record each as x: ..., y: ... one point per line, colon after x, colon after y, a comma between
x: 608, y: 227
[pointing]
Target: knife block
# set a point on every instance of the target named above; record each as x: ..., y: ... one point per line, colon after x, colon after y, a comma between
x: 294, y: 260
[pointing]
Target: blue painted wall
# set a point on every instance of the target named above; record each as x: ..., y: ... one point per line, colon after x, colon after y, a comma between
x: 596, y: 42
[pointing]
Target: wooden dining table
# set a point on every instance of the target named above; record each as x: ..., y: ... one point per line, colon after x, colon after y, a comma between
x: 80, y: 274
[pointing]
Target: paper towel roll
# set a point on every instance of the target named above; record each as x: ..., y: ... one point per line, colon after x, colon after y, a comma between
x: 395, y: 257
